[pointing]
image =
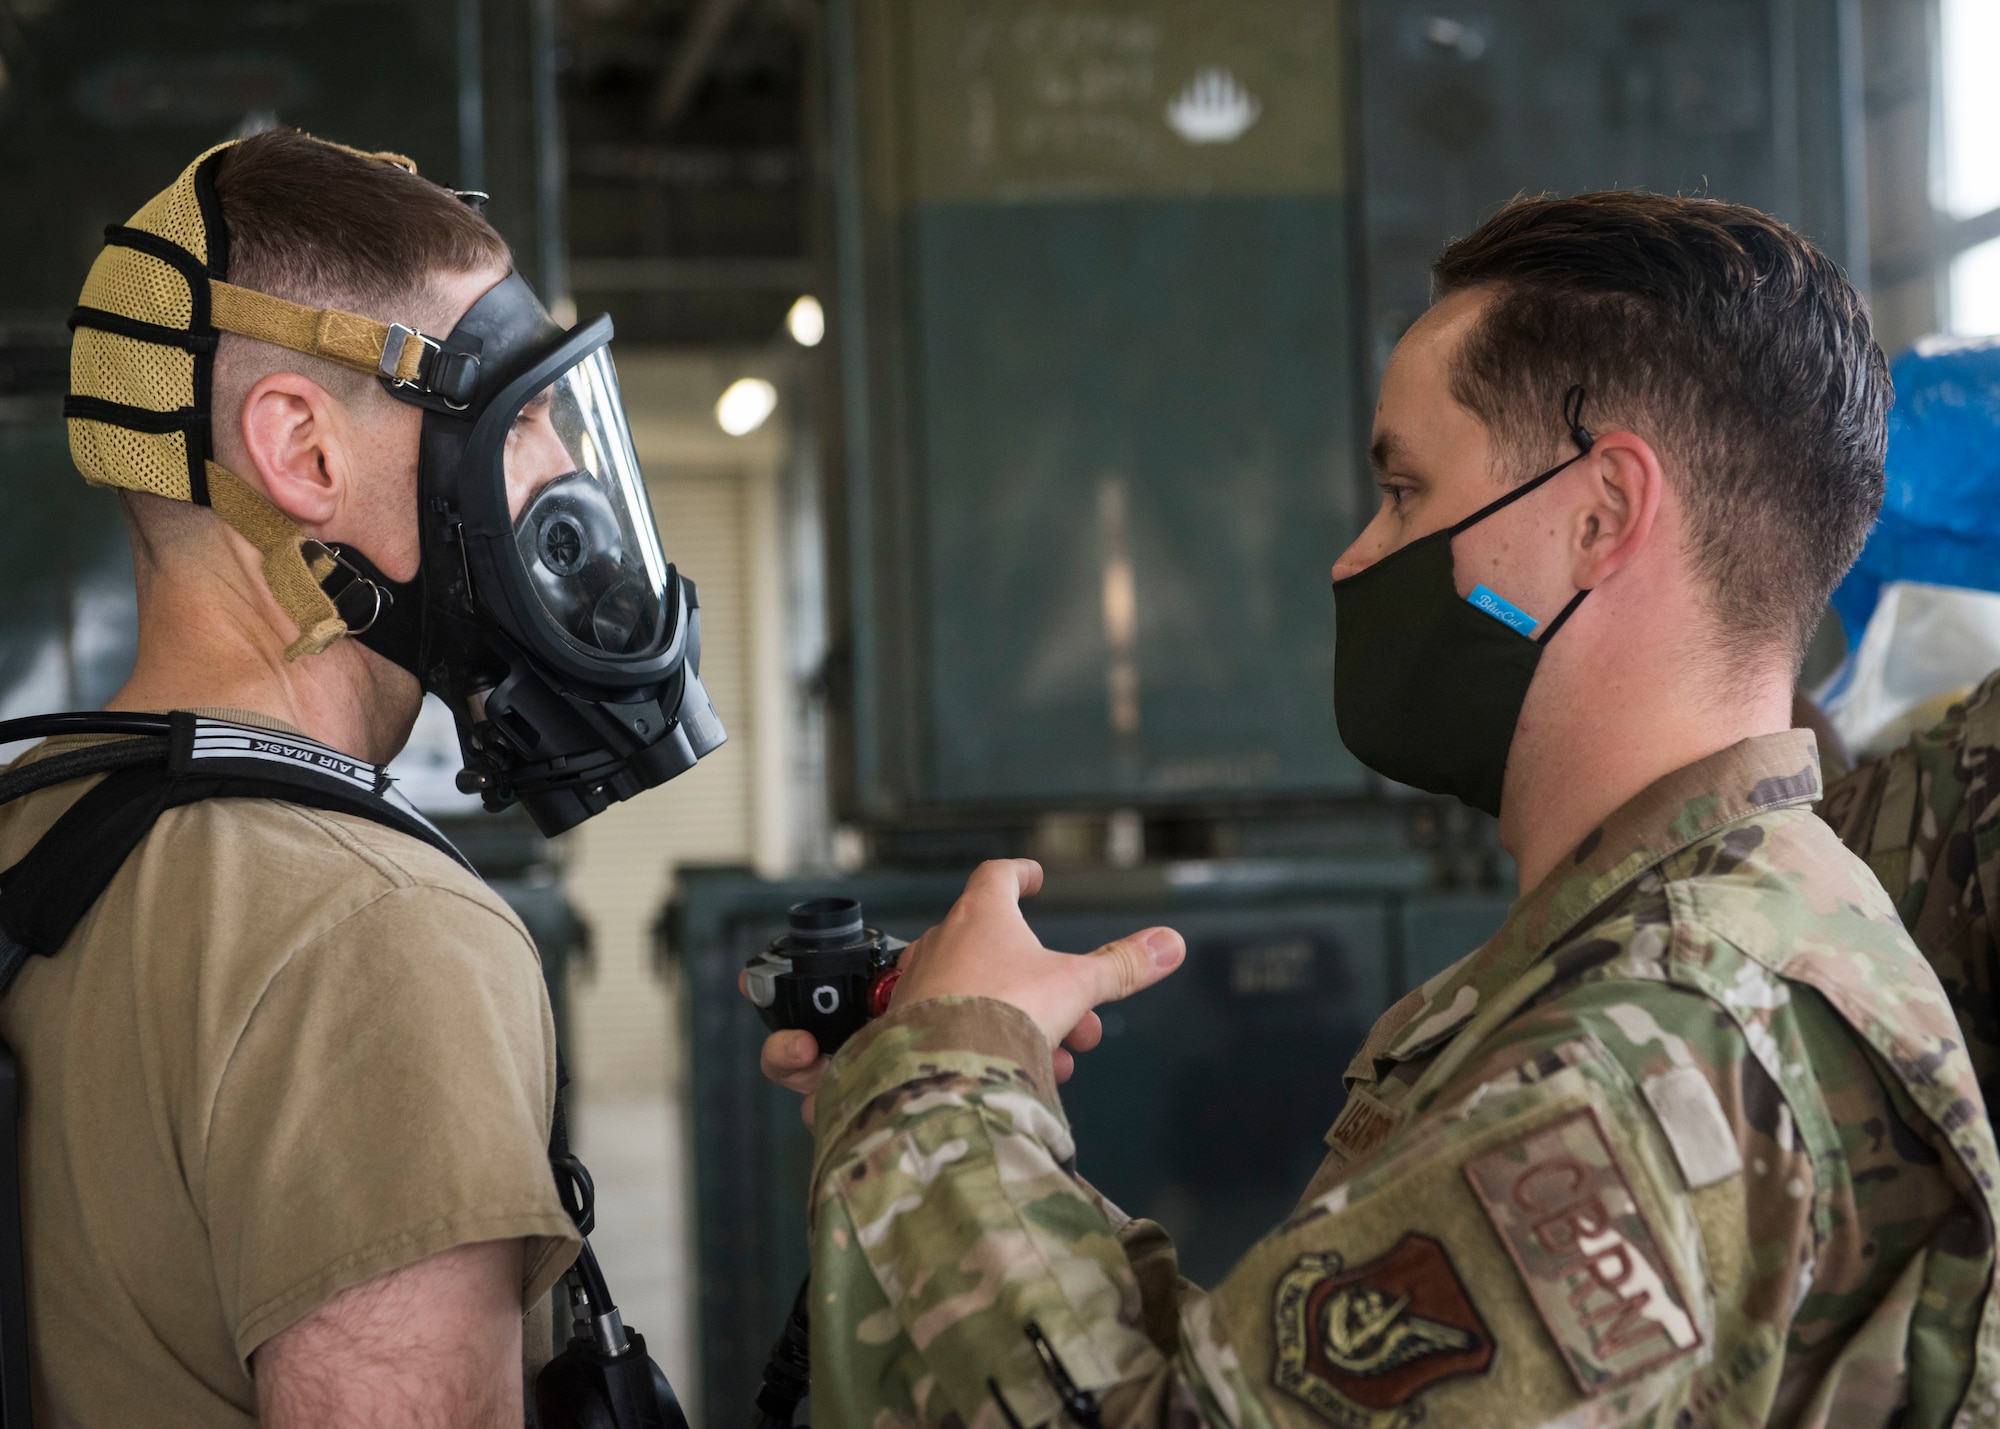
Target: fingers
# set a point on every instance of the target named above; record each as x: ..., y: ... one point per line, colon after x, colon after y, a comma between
x: 806, y: 1108
x: 1009, y: 879
x: 1065, y: 1066
x: 806, y: 1082
x: 907, y: 961
x: 1122, y: 968
x: 792, y: 1060
x: 1086, y: 1034
x: 790, y: 1051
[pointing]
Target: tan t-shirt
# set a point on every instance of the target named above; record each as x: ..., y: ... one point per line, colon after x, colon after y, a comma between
x: 286, y: 1052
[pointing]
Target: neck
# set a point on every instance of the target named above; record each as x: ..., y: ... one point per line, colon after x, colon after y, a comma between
x: 211, y: 636
x: 1586, y: 746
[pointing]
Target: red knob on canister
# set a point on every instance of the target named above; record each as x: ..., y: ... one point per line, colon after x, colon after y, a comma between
x: 880, y: 990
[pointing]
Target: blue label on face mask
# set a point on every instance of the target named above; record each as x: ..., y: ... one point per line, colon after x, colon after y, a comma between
x: 1504, y: 611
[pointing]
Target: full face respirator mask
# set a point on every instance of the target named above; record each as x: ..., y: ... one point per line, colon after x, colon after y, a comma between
x: 544, y: 613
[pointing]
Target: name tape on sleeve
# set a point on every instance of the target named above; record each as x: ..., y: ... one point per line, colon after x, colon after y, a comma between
x: 1589, y: 1257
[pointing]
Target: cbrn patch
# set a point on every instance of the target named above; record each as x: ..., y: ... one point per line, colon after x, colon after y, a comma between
x: 1566, y: 1213
x: 1360, y: 1345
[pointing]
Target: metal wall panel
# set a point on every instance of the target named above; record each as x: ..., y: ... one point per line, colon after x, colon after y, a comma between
x: 1100, y: 317
x: 1106, y: 387
x: 1469, y: 103
x: 1438, y: 929
x: 1135, y: 454
x: 107, y: 101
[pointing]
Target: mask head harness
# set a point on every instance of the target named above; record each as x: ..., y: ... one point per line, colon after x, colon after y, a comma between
x: 543, y: 612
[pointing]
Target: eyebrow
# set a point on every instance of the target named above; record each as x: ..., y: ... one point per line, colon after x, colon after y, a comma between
x: 1384, y: 451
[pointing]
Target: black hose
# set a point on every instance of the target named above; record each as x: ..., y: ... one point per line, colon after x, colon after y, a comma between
x: 788, y: 1373
x: 592, y: 1276
x: 48, y: 726
x: 79, y: 763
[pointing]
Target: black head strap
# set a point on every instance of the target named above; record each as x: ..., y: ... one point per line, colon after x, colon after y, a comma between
x: 385, y: 615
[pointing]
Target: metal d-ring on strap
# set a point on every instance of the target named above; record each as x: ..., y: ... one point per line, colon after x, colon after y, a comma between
x: 430, y: 367
x: 313, y: 550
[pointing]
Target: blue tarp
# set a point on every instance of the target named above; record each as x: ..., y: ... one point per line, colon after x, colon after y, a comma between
x: 1941, y: 513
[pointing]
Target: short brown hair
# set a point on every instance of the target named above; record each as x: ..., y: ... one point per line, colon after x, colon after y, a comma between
x: 322, y: 224
x: 331, y: 227
x: 1729, y: 342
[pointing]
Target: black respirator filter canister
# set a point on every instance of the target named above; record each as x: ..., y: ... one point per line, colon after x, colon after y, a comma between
x: 829, y: 974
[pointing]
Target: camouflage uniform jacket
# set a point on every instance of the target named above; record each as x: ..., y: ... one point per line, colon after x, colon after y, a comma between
x: 1690, y: 1141
x: 1927, y: 820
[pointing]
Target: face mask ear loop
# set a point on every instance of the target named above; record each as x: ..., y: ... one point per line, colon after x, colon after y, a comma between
x: 1573, y: 419
x: 1572, y: 410
x: 1580, y: 434
x: 1557, y: 623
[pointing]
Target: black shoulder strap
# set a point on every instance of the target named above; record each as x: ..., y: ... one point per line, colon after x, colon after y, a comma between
x: 46, y: 894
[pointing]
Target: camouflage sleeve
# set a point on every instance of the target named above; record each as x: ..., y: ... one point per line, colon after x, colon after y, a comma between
x: 1813, y: 1186
x: 1925, y: 817
x: 1531, y: 1247
x: 947, y: 1218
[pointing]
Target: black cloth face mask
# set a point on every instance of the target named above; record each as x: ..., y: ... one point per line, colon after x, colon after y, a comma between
x: 1428, y: 684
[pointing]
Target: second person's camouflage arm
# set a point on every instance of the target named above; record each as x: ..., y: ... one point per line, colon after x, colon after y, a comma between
x: 948, y: 1222
x: 947, y: 1218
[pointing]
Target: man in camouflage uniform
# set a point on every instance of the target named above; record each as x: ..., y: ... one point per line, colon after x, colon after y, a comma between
x: 1926, y: 817
x: 1691, y: 1140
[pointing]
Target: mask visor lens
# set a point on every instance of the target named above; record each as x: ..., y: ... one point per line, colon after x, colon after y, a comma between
x: 582, y: 524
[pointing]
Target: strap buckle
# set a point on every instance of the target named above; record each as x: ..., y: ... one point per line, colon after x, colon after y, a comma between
x: 447, y: 377
x: 392, y: 354
x: 313, y: 550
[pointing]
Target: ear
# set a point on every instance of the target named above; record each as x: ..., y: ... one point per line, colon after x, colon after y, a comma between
x: 1617, y: 519
x: 290, y: 426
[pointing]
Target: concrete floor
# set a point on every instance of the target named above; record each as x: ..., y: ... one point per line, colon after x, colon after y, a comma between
x: 634, y: 1147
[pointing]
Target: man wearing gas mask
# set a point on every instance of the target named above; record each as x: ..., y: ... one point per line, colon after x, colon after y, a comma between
x: 1693, y: 1139
x: 288, y: 1067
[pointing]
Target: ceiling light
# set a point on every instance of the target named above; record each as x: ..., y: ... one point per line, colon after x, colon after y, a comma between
x: 743, y: 408
x: 806, y: 322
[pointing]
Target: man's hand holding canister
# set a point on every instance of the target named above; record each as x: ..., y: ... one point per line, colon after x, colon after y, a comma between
x: 985, y: 948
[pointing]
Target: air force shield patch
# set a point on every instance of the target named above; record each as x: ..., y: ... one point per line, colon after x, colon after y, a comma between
x: 1360, y: 1345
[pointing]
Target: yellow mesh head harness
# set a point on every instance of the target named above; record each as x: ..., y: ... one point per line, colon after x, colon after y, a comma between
x: 142, y: 364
